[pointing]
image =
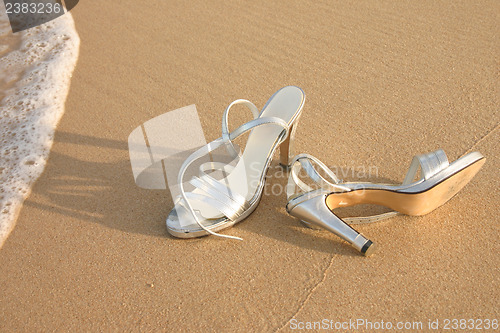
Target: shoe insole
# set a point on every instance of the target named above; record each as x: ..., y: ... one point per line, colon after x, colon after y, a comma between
x: 419, y: 203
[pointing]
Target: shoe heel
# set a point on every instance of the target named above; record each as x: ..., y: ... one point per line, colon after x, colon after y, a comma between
x: 315, y: 213
x: 287, y: 150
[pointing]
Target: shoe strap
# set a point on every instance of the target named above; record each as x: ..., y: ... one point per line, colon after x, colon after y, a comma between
x: 225, y: 116
x: 370, y: 219
x: 216, y: 189
x: 225, y: 121
x: 430, y: 164
x: 303, y: 162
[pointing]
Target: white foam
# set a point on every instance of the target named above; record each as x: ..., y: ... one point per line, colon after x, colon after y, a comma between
x: 35, y: 72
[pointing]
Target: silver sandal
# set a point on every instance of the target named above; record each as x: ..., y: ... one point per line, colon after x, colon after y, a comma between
x: 224, y: 192
x: 313, y: 196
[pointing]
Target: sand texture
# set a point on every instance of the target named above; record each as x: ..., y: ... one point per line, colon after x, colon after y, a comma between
x: 384, y: 81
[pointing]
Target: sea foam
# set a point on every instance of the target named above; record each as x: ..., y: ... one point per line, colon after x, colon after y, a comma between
x: 36, y: 66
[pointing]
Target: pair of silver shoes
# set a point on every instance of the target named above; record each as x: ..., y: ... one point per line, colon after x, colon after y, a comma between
x: 225, y: 190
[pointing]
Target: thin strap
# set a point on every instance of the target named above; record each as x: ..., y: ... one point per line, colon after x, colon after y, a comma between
x: 225, y: 116
x: 304, y: 161
x: 225, y: 121
x: 369, y: 219
x: 215, y: 166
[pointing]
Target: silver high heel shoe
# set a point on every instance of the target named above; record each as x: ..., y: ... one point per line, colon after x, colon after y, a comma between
x: 313, y: 194
x: 226, y: 192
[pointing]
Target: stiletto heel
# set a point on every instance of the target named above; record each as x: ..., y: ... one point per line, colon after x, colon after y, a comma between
x: 316, y: 212
x: 287, y: 147
x: 313, y: 198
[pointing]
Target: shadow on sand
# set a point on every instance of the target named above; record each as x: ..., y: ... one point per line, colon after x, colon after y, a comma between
x: 105, y: 193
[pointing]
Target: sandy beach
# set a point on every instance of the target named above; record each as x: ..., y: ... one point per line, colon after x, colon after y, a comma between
x: 384, y: 81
